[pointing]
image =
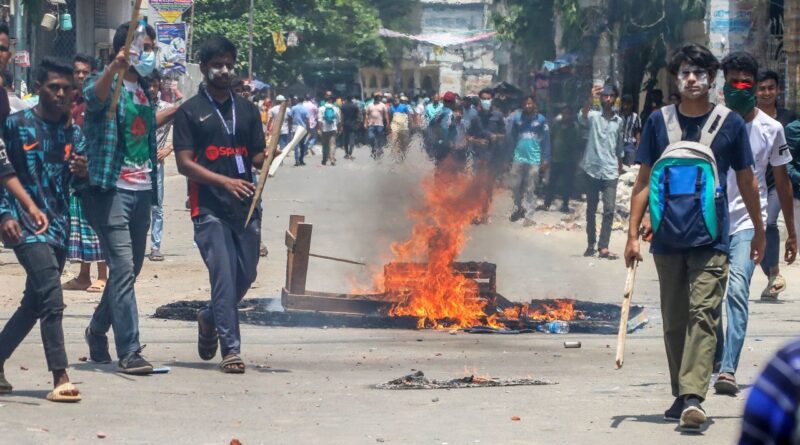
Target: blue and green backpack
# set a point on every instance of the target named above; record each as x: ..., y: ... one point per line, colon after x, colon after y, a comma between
x: 686, y: 199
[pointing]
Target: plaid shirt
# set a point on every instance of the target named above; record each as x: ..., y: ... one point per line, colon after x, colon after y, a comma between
x: 105, y: 142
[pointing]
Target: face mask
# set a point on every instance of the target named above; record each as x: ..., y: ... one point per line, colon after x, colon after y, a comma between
x: 146, y: 63
x: 740, y: 97
x: 486, y: 104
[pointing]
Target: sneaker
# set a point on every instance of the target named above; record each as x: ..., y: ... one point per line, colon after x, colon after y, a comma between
x: 589, y: 252
x: 726, y: 384
x: 517, y: 215
x: 98, y: 346
x: 693, y: 416
x: 135, y: 364
x: 673, y: 414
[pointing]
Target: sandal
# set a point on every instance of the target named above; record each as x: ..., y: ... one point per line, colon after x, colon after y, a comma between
x: 777, y: 284
x: 57, y: 395
x: 97, y: 287
x: 607, y: 255
x: 5, y: 387
x: 73, y: 284
x: 155, y: 255
x: 206, y: 345
x: 233, y: 364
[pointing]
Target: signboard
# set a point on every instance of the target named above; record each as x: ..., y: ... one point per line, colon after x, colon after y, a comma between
x: 171, y: 39
x: 22, y: 59
x: 171, y: 10
x: 292, y: 39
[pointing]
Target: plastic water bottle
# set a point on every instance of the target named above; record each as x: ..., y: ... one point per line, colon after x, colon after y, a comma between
x: 558, y: 327
x: 137, y: 44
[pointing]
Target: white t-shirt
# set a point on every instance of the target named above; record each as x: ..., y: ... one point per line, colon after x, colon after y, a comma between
x: 273, y: 114
x: 329, y: 126
x: 768, y: 143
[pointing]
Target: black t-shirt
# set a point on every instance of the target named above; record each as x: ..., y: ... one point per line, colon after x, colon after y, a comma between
x: 198, y: 128
x: 350, y: 114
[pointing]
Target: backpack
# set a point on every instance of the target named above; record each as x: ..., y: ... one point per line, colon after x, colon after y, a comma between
x: 686, y: 199
x: 434, y: 138
x: 330, y: 115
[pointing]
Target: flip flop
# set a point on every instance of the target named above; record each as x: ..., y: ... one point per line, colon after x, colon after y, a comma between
x: 607, y: 255
x: 777, y: 284
x: 74, y: 285
x: 227, y: 368
x: 206, y: 345
x: 57, y: 396
x: 97, y: 287
x: 5, y: 387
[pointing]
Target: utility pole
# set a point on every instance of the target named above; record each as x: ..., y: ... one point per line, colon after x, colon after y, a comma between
x: 250, y: 61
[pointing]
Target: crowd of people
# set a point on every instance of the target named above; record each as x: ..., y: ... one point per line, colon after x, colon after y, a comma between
x: 82, y: 174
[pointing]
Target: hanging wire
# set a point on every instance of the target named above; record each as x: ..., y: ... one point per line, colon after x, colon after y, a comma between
x: 659, y: 20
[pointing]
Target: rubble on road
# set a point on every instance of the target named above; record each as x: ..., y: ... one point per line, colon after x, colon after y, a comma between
x: 418, y: 380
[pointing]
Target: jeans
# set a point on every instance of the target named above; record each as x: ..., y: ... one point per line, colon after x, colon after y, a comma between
x: 300, y: 151
x: 328, y: 140
x: 349, y: 140
x: 729, y: 346
x: 608, y: 189
x: 121, y: 219
x: 230, y: 252
x: 773, y: 251
x: 283, y: 140
x: 312, y: 137
x: 562, y: 178
x: 377, y: 139
x: 158, y: 212
x: 42, y: 300
x: 524, y: 178
x: 692, y: 285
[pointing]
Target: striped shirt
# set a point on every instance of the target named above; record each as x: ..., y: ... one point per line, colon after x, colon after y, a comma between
x: 770, y: 416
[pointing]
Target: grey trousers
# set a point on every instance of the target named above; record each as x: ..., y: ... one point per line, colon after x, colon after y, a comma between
x: 524, y: 178
x: 608, y: 189
x: 231, y: 253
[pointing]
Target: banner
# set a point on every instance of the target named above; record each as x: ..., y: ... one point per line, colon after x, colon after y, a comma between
x: 171, y: 39
x: 280, y: 45
x: 171, y: 10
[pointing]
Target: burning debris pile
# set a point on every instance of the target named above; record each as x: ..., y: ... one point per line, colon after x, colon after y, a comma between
x: 418, y: 380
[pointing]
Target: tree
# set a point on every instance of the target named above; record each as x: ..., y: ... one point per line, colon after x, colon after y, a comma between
x: 327, y: 28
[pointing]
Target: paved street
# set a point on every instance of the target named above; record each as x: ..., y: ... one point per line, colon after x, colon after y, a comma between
x: 314, y: 386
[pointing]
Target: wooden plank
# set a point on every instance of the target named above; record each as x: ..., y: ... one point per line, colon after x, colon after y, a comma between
x: 289, y: 241
x: 333, y: 303
x: 302, y: 247
x: 294, y: 220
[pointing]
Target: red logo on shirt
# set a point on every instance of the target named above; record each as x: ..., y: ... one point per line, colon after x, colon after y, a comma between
x: 213, y: 152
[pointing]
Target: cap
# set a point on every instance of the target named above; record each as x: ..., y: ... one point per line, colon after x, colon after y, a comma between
x: 449, y: 96
x: 403, y: 97
x: 280, y: 98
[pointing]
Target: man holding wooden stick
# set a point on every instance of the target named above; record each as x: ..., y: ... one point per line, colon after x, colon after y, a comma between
x: 687, y: 152
x: 123, y: 175
x: 218, y: 138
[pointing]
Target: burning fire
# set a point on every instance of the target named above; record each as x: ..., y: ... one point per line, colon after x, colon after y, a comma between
x: 561, y: 310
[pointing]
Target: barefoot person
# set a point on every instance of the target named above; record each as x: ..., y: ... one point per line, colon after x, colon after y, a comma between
x: 218, y: 139
x: 123, y: 169
x: 691, y: 241
x: 45, y: 138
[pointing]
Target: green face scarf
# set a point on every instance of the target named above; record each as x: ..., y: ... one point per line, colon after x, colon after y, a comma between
x: 740, y: 97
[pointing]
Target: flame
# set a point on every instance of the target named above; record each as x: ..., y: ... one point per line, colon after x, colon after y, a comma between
x: 431, y: 291
x: 563, y: 309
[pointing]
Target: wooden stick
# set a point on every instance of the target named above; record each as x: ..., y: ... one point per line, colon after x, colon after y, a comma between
x: 134, y: 23
x: 340, y: 260
x: 271, y: 147
x: 623, y: 319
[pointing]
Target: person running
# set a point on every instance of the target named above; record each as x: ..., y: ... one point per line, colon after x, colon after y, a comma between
x: 768, y: 144
x: 351, y: 113
x: 530, y: 135
x: 602, y: 164
x: 377, y: 115
x: 691, y: 259
x: 218, y: 138
x: 767, y: 101
x: 44, y: 151
x: 83, y: 246
x: 165, y: 113
x: 329, y: 119
x: 299, y: 118
x: 123, y: 174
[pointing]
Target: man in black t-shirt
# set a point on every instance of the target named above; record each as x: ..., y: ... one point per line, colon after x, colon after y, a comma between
x: 350, y: 120
x: 218, y: 138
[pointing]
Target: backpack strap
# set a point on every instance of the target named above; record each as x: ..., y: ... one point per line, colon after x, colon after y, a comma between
x: 713, y: 124
x: 670, y: 115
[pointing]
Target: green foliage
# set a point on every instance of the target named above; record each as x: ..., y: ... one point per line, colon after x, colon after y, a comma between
x: 529, y: 24
x: 327, y: 29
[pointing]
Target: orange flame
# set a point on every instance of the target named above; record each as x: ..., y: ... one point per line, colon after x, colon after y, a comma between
x: 563, y: 309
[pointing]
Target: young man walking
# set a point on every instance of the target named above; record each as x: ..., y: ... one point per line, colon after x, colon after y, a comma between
x: 350, y: 120
x: 83, y: 245
x: 769, y: 148
x: 283, y: 139
x: 602, y: 163
x: 123, y: 175
x: 486, y: 134
x: 44, y: 150
x: 329, y: 119
x: 299, y: 118
x: 693, y: 271
x: 530, y: 135
x: 767, y: 101
x: 566, y: 145
x: 377, y: 115
x: 218, y: 139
